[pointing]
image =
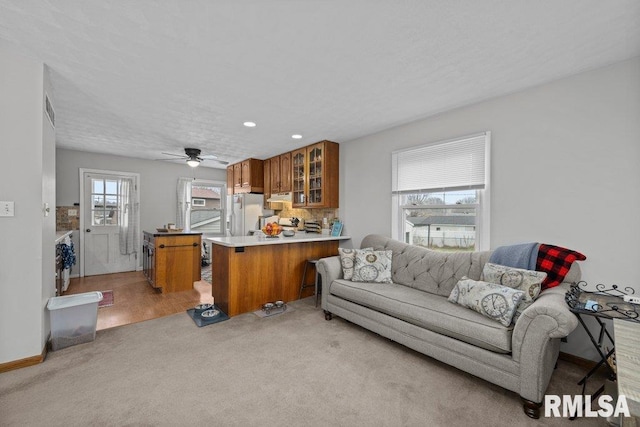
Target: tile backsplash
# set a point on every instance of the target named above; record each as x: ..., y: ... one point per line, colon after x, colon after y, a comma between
x: 67, y: 218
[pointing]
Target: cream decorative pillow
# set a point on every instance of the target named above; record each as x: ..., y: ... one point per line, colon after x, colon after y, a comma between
x: 494, y: 301
x: 347, y: 260
x: 372, y: 266
x: 528, y: 281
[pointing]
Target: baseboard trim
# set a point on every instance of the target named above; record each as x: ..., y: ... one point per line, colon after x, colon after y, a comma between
x: 577, y: 360
x: 23, y: 363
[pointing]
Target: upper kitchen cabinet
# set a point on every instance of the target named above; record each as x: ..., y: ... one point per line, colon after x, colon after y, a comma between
x: 280, y: 173
x: 248, y: 176
x: 230, y: 180
x: 315, y: 176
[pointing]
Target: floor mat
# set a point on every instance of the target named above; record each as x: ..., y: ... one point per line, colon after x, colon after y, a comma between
x: 107, y: 299
x: 201, y: 321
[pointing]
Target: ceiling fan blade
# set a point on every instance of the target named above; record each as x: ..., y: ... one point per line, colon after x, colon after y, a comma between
x: 222, y: 162
x: 209, y: 157
x: 177, y: 155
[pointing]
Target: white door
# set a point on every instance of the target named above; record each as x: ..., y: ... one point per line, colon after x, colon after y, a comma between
x: 102, y: 203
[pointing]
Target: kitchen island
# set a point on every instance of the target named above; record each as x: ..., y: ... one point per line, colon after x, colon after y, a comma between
x: 171, y: 260
x: 248, y: 271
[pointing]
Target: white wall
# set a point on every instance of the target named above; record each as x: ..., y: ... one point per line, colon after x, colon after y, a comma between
x: 564, y: 171
x: 27, y: 252
x: 158, y: 183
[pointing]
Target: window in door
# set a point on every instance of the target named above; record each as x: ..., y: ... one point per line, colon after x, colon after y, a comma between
x: 441, y: 194
x: 205, y: 213
x: 105, y: 199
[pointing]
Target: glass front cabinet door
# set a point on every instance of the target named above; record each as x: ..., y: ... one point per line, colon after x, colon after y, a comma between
x: 315, y: 176
x: 299, y: 163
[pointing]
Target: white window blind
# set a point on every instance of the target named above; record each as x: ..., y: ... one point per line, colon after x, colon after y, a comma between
x: 444, y: 166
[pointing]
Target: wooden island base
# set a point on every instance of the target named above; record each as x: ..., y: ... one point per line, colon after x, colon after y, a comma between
x: 246, y: 277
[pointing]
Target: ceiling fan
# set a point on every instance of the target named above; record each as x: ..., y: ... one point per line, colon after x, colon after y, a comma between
x: 193, y: 157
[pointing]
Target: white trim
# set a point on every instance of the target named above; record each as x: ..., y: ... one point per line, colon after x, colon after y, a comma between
x: 483, y: 209
x: 81, y: 212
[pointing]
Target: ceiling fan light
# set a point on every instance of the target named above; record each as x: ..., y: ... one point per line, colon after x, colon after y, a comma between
x: 193, y: 162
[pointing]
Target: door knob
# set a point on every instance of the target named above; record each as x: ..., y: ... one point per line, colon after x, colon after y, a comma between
x: 88, y: 230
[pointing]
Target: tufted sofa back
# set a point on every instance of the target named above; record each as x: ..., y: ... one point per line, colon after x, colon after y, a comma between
x: 427, y: 270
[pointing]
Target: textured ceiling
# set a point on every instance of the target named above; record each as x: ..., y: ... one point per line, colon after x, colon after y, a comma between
x: 137, y: 78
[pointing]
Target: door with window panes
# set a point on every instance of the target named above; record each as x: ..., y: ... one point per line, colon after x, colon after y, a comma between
x: 103, y: 203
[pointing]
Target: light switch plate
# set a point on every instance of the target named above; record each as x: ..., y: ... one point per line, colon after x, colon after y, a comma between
x: 7, y: 208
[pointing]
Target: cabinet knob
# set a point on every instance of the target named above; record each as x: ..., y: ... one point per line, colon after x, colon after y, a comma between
x: 88, y: 230
x: 161, y: 246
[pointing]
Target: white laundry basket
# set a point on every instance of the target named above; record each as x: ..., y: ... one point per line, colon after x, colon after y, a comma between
x: 73, y: 319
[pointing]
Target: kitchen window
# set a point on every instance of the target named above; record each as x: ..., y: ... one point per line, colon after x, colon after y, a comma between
x: 440, y: 194
x: 205, y: 211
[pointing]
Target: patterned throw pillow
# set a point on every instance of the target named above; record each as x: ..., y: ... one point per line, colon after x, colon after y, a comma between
x: 494, y: 301
x: 372, y: 266
x: 556, y: 262
x: 528, y: 281
x: 347, y: 260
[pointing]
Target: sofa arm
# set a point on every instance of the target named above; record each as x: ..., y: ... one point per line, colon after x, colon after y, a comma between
x: 548, y: 317
x: 329, y: 269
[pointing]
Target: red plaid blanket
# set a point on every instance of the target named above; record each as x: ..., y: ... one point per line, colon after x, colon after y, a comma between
x: 556, y: 262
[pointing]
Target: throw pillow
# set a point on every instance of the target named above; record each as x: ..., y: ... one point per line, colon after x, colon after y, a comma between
x: 494, y: 301
x: 528, y: 281
x: 556, y: 262
x: 347, y: 260
x: 372, y: 266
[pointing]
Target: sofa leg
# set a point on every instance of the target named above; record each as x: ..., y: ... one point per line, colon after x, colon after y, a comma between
x: 328, y: 315
x: 532, y: 409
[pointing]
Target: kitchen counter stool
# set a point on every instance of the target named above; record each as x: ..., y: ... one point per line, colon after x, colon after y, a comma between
x: 304, y: 285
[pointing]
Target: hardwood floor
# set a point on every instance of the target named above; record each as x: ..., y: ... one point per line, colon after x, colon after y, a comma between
x: 135, y: 300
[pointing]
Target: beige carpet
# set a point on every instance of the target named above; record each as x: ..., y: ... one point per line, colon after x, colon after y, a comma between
x: 293, y: 369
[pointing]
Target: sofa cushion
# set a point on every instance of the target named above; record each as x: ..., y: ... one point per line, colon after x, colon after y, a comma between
x: 426, y: 310
x: 494, y: 301
x: 372, y: 266
x: 528, y: 281
x: 427, y: 270
x: 347, y: 260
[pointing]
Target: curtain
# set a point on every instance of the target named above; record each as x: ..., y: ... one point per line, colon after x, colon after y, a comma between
x: 184, y: 200
x: 128, y: 222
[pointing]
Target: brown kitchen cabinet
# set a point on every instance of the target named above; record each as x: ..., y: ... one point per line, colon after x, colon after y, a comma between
x: 267, y: 183
x: 248, y: 176
x: 281, y: 173
x: 315, y: 178
x: 171, y: 261
x: 230, y: 180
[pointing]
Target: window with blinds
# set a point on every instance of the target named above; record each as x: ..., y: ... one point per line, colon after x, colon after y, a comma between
x: 440, y: 193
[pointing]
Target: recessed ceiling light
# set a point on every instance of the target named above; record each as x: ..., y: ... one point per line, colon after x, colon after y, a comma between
x: 249, y: 124
x: 296, y: 136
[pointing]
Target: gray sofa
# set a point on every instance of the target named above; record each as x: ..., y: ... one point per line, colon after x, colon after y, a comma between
x: 414, y: 311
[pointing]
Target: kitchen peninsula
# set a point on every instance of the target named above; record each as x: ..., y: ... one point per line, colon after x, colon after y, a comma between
x: 248, y: 271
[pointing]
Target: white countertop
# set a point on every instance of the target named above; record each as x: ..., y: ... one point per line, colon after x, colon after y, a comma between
x: 259, y: 240
x: 60, y: 235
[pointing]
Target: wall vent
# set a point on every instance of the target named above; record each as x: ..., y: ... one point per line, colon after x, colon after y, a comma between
x: 48, y: 108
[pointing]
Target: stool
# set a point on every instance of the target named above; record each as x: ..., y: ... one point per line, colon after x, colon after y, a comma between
x: 304, y: 285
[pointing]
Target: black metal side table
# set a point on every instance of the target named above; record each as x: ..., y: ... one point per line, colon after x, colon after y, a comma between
x: 602, y: 304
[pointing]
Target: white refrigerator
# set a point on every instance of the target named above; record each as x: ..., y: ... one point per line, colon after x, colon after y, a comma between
x: 244, y: 210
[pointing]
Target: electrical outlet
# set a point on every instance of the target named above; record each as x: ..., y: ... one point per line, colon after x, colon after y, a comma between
x: 7, y: 208
x: 631, y: 299
x: 72, y: 212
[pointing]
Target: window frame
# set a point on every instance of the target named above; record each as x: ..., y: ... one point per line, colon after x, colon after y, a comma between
x: 223, y: 205
x: 482, y: 207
